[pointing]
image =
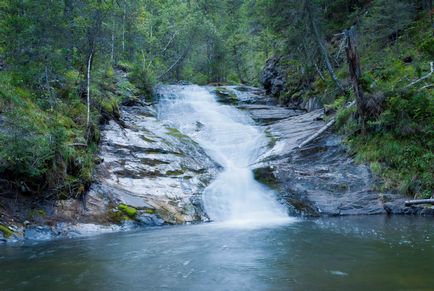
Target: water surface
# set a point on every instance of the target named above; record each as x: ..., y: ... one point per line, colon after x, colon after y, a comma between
x: 231, y: 138
x: 357, y: 253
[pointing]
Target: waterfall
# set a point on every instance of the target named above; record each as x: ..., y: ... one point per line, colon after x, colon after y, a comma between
x: 230, y: 137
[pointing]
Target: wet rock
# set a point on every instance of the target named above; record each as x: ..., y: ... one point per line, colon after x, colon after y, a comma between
x: 149, y: 165
x: 318, y: 179
x: 38, y: 233
x: 75, y: 230
x: 396, y: 205
x: 225, y: 96
x: 150, y: 219
x: 266, y: 114
x: 272, y: 77
x: 266, y: 176
x: 250, y: 95
x: 321, y: 179
x: 311, y: 104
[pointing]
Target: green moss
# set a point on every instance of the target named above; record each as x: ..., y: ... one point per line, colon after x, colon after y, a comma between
x: 150, y: 211
x: 176, y: 133
x: 6, y: 231
x: 129, y: 211
x: 225, y: 96
x: 178, y: 172
x: 271, y: 138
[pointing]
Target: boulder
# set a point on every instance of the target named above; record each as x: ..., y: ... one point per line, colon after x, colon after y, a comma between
x: 272, y: 77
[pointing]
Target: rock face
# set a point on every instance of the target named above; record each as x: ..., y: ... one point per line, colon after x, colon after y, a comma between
x: 151, y: 168
x: 320, y: 178
x: 274, y: 80
x: 148, y: 174
x: 272, y: 77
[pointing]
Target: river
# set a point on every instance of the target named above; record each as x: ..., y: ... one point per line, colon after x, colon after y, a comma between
x: 357, y: 253
x: 230, y: 137
x: 251, y: 243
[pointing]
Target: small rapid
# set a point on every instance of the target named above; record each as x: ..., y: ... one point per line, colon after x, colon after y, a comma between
x: 230, y: 138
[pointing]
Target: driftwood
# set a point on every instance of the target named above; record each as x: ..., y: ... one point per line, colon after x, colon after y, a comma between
x: 419, y: 201
x: 324, y: 128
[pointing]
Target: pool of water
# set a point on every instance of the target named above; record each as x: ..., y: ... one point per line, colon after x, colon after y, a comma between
x: 357, y: 253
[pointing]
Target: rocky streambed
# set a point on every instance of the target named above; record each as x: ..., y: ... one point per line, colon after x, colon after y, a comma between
x: 152, y: 174
x: 320, y: 178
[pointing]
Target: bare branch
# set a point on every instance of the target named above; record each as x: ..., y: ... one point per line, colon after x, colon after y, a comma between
x: 324, y: 128
x: 424, y: 77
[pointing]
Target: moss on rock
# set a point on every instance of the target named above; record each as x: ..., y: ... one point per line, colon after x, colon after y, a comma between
x: 129, y: 211
x: 225, y: 96
x: 6, y: 231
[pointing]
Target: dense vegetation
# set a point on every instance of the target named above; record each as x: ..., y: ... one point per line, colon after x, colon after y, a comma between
x: 60, y: 58
x: 395, y: 45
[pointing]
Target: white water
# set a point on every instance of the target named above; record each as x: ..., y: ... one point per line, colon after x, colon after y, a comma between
x: 230, y: 137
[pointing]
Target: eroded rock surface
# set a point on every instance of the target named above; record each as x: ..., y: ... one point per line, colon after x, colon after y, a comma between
x: 152, y: 168
x: 320, y: 178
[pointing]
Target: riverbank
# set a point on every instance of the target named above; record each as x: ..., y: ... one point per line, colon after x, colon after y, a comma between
x: 321, y: 177
x: 150, y: 173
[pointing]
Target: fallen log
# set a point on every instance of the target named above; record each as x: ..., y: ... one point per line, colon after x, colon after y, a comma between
x: 323, y: 129
x: 419, y: 201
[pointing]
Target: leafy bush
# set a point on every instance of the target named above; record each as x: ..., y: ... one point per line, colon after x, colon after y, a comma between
x: 143, y: 80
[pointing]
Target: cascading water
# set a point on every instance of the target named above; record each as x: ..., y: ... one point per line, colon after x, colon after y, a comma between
x: 230, y: 137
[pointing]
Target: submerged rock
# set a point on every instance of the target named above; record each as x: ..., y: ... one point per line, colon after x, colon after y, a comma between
x: 38, y: 233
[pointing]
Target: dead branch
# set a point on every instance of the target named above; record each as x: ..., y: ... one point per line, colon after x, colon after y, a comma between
x: 424, y: 77
x: 169, y: 43
x: 419, y: 202
x: 180, y: 58
x: 323, y: 129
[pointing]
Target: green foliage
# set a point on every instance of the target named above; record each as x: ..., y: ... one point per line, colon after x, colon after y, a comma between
x: 343, y: 117
x: 386, y: 18
x: 45, y: 46
x: 36, y: 151
x: 143, y: 81
x: 403, y: 164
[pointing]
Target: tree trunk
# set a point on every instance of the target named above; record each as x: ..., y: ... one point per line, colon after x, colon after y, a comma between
x: 123, y: 27
x: 69, y: 16
x: 237, y: 65
x: 177, y: 62
x: 89, y: 64
x: 356, y: 74
x: 112, y: 53
x: 321, y: 45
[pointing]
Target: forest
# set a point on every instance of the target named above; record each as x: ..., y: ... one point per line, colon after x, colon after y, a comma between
x: 60, y: 63
x: 216, y: 145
